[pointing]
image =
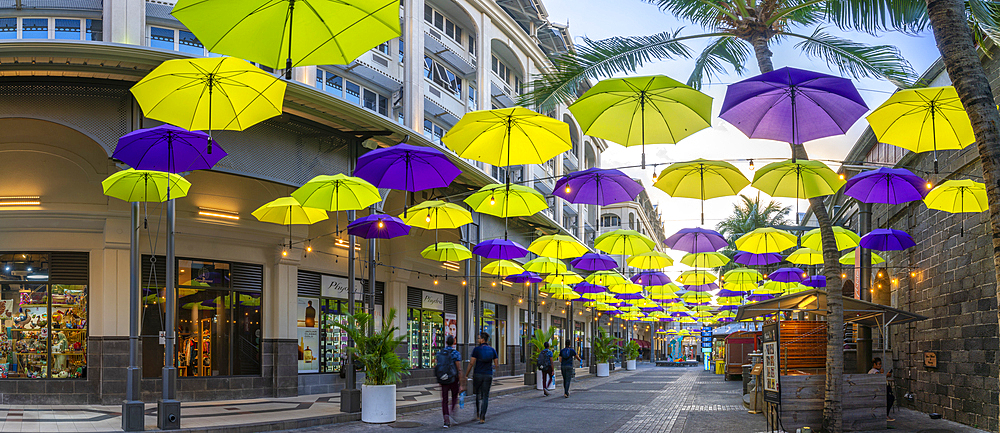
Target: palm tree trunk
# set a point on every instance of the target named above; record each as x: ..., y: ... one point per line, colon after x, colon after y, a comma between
x: 961, y: 59
x: 833, y: 419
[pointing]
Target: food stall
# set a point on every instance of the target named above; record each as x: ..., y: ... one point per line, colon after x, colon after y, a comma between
x: 737, y: 347
x: 794, y: 361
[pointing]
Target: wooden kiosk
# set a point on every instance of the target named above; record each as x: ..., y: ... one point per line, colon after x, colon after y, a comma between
x: 794, y: 371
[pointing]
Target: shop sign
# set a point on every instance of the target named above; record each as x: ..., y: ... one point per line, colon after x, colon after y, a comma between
x: 772, y: 383
x: 930, y: 359
x: 432, y: 301
x: 336, y: 287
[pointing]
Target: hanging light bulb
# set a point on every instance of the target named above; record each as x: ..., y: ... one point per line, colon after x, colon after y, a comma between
x: 493, y: 201
x: 435, y: 282
x: 309, y: 248
x: 804, y: 275
x: 913, y: 274
x: 464, y: 282
x: 381, y: 224
x: 751, y: 165
x: 428, y: 218
x: 519, y: 300
x: 567, y: 189
x: 284, y: 253
x: 841, y: 176
x: 494, y: 284
x: 928, y: 185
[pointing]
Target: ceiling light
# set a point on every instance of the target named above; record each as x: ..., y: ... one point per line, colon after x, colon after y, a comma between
x: 20, y: 200
x: 218, y: 213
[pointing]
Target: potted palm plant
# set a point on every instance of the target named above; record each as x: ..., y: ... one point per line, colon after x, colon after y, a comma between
x: 537, y: 344
x: 631, y: 354
x: 603, y: 347
x: 375, y: 349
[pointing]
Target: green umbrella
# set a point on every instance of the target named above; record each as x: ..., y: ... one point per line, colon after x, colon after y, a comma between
x: 145, y: 185
x: 302, y: 32
x: 635, y: 110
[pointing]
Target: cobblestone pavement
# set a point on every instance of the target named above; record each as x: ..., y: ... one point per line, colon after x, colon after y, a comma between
x: 652, y: 399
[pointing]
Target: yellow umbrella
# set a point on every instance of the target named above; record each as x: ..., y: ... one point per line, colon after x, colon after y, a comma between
x: 557, y: 246
x: 337, y: 193
x: 507, y: 200
x: 502, y: 268
x: 742, y: 276
x: 957, y: 196
x: 508, y: 136
x: 567, y: 295
x: 625, y: 288
x: 765, y: 240
x: 625, y: 242
x: 729, y: 300
x: 775, y: 287
x: 701, y: 179
x: 564, y: 278
x: 606, y: 278
x: 145, y: 185
x: 605, y: 297
x: 739, y: 287
x: 923, y: 120
x: 805, y: 256
x: 678, y: 308
x: 848, y: 259
x: 705, y: 260
x: 553, y: 288
x: 845, y: 239
x: 288, y: 211
x: 209, y: 93
x: 800, y: 178
x: 545, y: 265
x: 604, y: 307
x: 666, y: 291
x: 696, y: 297
x: 650, y: 260
x: 446, y: 252
x: 437, y: 214
x: 696, y: 278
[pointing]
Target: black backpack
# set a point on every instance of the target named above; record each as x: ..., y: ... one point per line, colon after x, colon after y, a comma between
x: 445, y: 370
x: 545, y: 360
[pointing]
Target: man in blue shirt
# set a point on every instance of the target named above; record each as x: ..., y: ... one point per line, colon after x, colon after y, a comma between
x: 566, y: 357
x: 481, y: 364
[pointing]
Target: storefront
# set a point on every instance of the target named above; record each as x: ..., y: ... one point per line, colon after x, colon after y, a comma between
x: 495, y: 324
x: 430, y: 318
x: 559, y: 332
x: 525, y: 330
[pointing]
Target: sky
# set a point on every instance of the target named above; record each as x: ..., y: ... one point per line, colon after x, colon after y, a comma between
x: 599, y: 19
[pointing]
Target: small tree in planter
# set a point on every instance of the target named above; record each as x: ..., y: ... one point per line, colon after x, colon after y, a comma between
x: 632, y: 351
x: 376, y: 351
x: 603, y: 346
x: 536, y: 345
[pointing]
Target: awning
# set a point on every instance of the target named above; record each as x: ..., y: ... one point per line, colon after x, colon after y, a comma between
x: 814, y: 301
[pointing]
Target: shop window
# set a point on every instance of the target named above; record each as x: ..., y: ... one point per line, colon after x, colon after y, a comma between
x: 8, y: 28
x: 45, y: 318
x: 558, y: 336
x: 95, y: 30
x: 67, y: 29
x: 430, y: 318
x: 494, y: 323
x: 34, y: 28
x: 322, y: 346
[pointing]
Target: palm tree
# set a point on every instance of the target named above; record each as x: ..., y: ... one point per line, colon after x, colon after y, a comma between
x: 749, y: 214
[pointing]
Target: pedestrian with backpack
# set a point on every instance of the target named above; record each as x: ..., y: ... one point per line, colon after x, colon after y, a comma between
x: 566, y: 357
x: 448, y: 371
x: 545, y: 366
x: 482, y: 362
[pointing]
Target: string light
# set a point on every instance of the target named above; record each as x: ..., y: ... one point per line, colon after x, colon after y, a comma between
x: 309, y: 248
x: 380, y: 223
x: 493, y: 201
x: 428, y: 218
x: 913, y: 273
x: 751, y: 165
x: 928, y: 185
x: 519, y: 300
x: 841, y: 176
x: 842, y: 276
x: 494, y: 284
x: 464, y: 282
x: 567, y: 189
x: 284, y: 253
x: 435, y: 282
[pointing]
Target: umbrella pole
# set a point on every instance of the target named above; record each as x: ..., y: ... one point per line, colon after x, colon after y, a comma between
x: 934, y: 138
x: 209, y: 115
x: 701, y: 173
x: 791, y: 96
x: 288, y: 61
x: 642, y: 122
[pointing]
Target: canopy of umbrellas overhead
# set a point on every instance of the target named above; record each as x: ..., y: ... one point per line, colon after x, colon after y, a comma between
x: 791, y: 105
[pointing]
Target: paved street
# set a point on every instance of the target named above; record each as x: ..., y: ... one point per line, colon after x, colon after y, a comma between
x: 667, y: 400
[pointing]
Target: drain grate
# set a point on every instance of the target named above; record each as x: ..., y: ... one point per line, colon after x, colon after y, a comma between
x: 405, y: 424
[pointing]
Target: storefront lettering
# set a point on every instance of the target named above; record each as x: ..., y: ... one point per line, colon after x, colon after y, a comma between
x: 433, y: 301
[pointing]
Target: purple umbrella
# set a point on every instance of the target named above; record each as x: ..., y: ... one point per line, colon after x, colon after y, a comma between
x: 787, y: 275
x: 665, y: 300
x: 887, y: 240
x: 728, y: 307
x: 726, y: 293
x: 502, y: 249
x: 886, y: 185
x: 629, y: 296
x: 406, y: 167
x: 666, y: 319
x: 702, y: 287
x: 585, y: 287
x: 378, y: 226
x: 167, y: 148
x: 650, y: 278
x: 696, y: 240
x: 598, y: 186
x: 650, y: 309
x: 750, y: 259
x: 594, y: 262
x: 756, y: 297
x: 815, y: 281
x: 793, y: 105
x: 524, y: 277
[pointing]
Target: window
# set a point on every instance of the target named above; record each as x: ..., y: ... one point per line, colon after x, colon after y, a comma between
x: 72, y: 29
x: 443, y: 77
x: 472, y: 44
x: 631, y: 221
x: 322, y: 303
x: 473, y: 103
x: 494, y: 323
x: 8, y: 28
x: 67, y: 29
x: 95, y: 30
x: 402, y: 51
x: 499, y: 173
x: 443, y: 24
x: 502, y: 70
x: 34, y: 28
x: 161, y: 38
x: 433, y: 131
x: 383, y: 48
x: 190, y: 44
x: 353, y: 94
x: 610, y: 220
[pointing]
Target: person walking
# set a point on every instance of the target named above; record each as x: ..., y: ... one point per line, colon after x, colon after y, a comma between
x: 449, y: 374
x: 482, y: 362
x: 545, y: 366
x: 566, y: 357
x: 889, y: 397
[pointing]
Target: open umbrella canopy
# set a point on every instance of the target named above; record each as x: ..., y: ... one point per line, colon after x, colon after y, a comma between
x: 798, y: 178
x: 145, y: 186
x: 599, y: 186
x: 696, y: 240
x: 886, y: 185
x: 696, y: 298
x: 567, y: 278
x: 606, y: 278
x: 627, y: 287
x: 793, y: 105
x: 650, y: 260
x: 958, y: 196
x: 788, y: 275
x: 502, y: 268
x: 288, y: 211
x: 337, y: 193
x: 742, y: 276
x: 696, y: 278
x: 499, y: 249
x: 701, y: 179
x: 585, y: 287
x: 626, y: 242
x: 776, y: 287
x: 705, y: 260
x: 545, y: 265
x: 818, y: 281
x: 524, y: 277
x: 751, y: 259
x: 437, y: 214
x: 729, y: 300
x: 555, y: 288
x: 507, y: 200
x: 446, y: 252
x: 508, y: 136
x: 605, y: 297
x: 209, y: 93
x: 845, y: 239
x: 405, y: 167
x: 887, y: 240
x: 634, y: 296
x: 666, y: 291
x: 707, y: 287
x: 277, y: 34
x: 736, y: 288
x: 167, y: 148
x: 557, y: 246
x: 378, y: 226
x: 805, y: 256
x: 766, y: 240
x: 594, y: 262
x: 650, y: 278
x: 848, y: 259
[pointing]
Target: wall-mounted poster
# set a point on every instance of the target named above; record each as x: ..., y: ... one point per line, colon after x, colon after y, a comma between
x: 451, y: 325
x: 772, y: 382
x: 308, y: 333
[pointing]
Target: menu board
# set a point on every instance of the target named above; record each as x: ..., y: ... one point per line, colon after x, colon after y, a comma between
x: 772, y: 381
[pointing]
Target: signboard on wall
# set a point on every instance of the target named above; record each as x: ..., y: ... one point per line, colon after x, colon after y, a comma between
x: 432, y: 301
x: 772, y: 381
x: 336, y: 287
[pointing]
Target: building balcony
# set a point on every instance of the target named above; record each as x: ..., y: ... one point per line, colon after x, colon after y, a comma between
x: 442, y: 104
x: 377, y: 69
x: 502, y: 92
x: 570, y: 162
x: 449, y: 51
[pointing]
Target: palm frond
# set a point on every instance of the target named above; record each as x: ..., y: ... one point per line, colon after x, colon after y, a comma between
x: 800, y: 12
x: 984, y: 20
x: 876, y: 16
x: 857, y: 59
x: 703, y: 12
x: 711, y: 63
x: 597, y: 59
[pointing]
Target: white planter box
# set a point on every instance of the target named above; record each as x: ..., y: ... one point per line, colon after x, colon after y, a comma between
x: 378, y: 403
x: 603, y: 370
x: 538, y: 381
x: 630, y: 365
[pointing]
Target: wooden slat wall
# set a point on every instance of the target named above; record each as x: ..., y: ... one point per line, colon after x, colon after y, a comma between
x: 803, y: 345
x: 863, y: 401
